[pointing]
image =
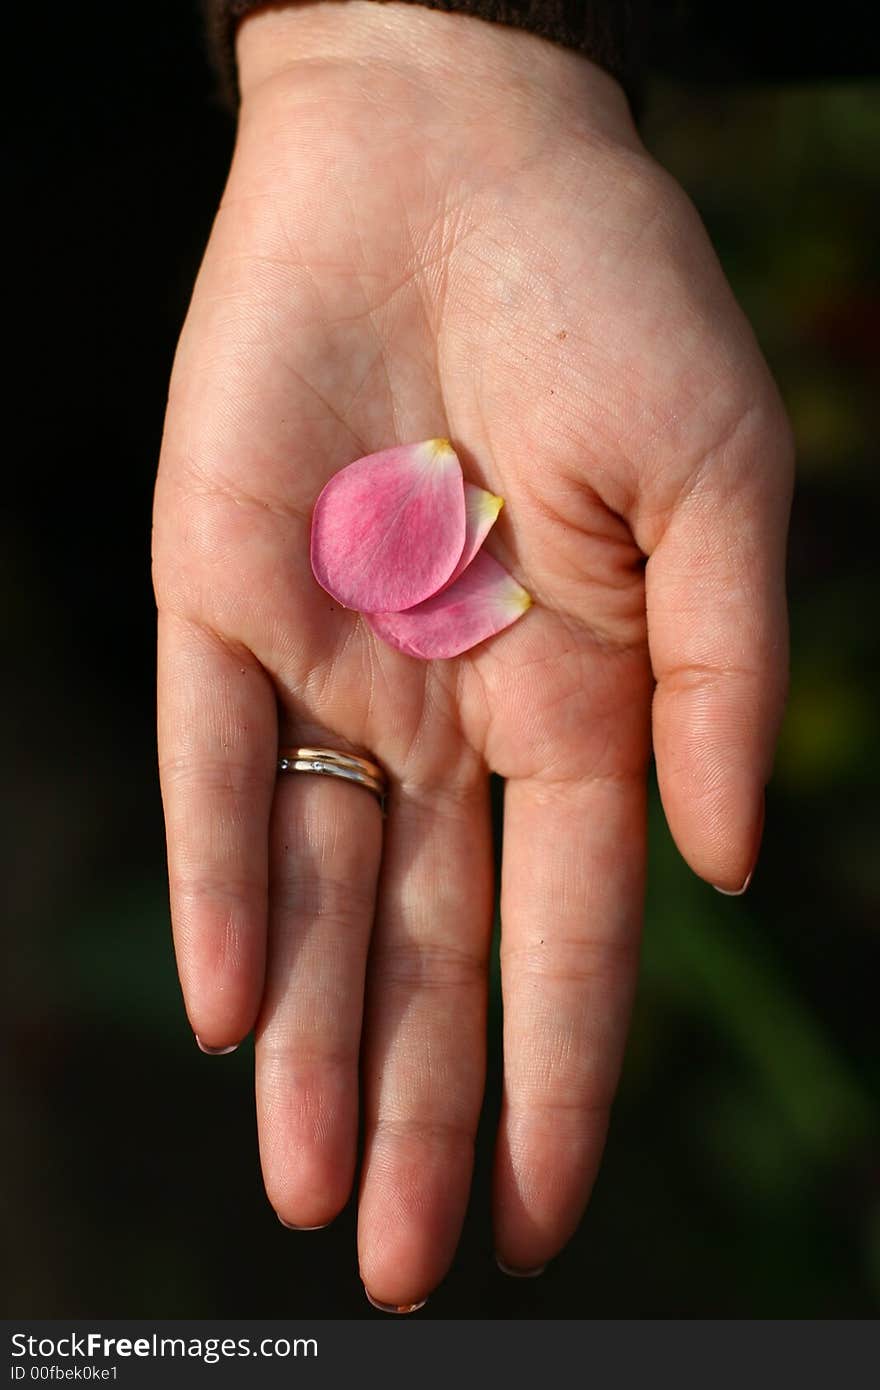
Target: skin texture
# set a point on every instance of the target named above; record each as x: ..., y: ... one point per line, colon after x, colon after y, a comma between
x: 438, y: 227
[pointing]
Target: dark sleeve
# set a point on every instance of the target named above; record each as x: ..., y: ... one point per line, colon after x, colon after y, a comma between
x: 609, y: 32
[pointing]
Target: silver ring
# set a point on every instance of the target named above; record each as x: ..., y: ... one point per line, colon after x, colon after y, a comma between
x: 329, y: 762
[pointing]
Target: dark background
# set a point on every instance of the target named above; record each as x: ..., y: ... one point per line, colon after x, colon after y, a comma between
x: 742, y: 1176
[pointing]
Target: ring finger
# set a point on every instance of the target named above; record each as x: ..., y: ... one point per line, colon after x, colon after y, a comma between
x: 325, y: 847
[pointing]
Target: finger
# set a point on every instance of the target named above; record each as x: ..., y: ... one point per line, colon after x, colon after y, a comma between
x: 571, y: 905
x: 326, y: 842
x: 424, y: 1067
x: 217, y: 752
x: 718, y: 637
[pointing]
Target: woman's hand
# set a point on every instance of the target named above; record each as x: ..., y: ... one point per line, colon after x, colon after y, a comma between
x: 437, y: 226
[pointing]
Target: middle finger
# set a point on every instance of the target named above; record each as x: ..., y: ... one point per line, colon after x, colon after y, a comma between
x: 424, y: 1055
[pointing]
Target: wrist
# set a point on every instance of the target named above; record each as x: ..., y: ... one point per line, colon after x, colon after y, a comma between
x: 444, y: 51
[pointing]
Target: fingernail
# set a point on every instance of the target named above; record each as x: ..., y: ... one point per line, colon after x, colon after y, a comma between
x: 519, y: 1273
x: 394, y: 1307
x: 290, y: 1226
x: 734, y: 892
x: 214, y: 1051
x: 738, y: 892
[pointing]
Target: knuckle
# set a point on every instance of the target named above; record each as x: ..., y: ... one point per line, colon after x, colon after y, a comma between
x: 211, y: 774
x: 304, y: 893
x: 428, y: 967
x: 576, y: 962
x: 421, y: 1131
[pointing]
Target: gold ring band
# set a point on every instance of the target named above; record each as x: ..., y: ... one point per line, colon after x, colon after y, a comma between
x: 331, y: 763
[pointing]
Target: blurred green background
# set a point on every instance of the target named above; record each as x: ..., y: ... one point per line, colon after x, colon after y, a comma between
x: 742, y: 1175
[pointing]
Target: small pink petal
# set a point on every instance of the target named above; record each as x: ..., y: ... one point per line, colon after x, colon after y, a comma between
x: 388, y: 530
x: 481, y: 513
x: 483, y: 601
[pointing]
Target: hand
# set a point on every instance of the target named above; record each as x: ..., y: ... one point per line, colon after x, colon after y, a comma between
x: 437, y: 226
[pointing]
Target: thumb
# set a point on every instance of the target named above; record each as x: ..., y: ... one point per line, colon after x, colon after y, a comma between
x: 718, y: 637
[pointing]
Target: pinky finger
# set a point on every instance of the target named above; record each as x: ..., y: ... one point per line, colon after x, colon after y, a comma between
x: 217, y: 748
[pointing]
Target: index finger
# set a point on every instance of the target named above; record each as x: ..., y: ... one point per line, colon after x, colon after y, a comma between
x: 571, y: 907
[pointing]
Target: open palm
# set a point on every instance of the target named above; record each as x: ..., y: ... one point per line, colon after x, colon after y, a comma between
x: 405, y: 251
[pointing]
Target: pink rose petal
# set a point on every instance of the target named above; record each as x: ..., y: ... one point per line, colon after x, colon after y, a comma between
x: 388, y: 530
x: 483, y: 601
x: 481, y: 513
